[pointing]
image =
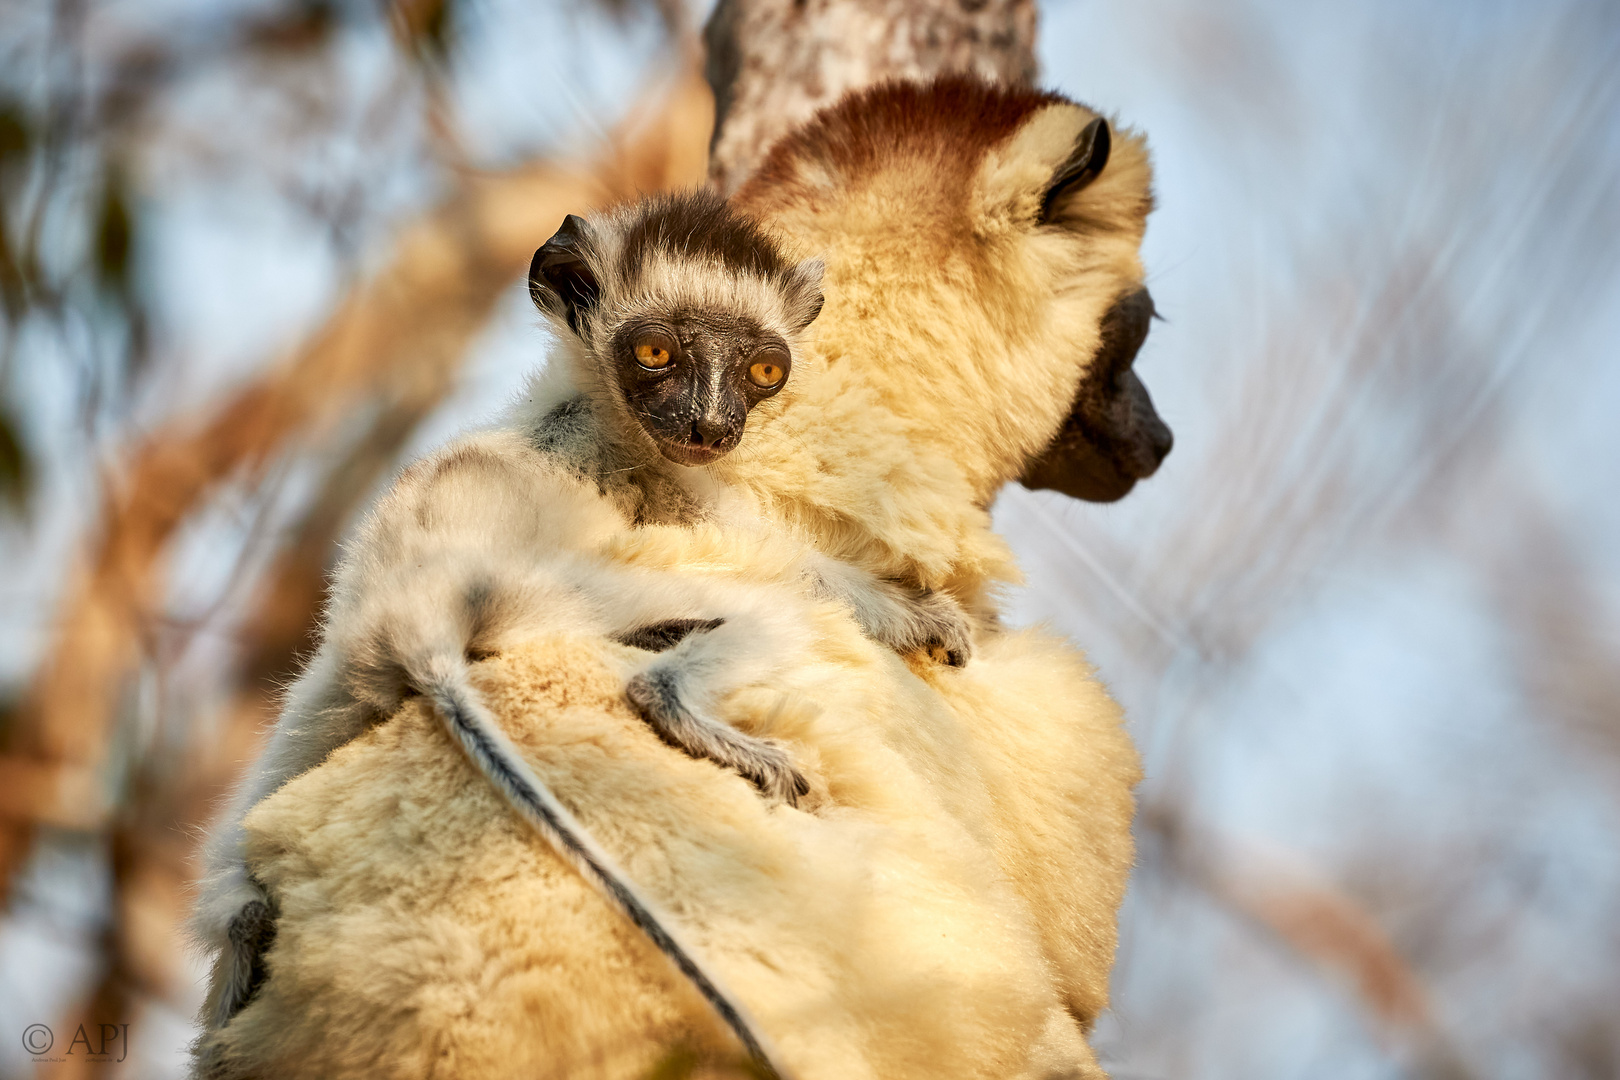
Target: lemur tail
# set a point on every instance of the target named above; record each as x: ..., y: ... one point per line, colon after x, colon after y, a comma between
x: 472, y: 726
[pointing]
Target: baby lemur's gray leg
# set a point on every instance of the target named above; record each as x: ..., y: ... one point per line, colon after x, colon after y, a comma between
x: 900, y: 616
x: 703, y: 659
x: 656, y: 694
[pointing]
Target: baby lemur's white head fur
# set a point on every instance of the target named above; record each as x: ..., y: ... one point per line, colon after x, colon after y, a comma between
x: 682, y: 315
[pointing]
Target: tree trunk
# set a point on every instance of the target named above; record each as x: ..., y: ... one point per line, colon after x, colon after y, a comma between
x: 772, y: 63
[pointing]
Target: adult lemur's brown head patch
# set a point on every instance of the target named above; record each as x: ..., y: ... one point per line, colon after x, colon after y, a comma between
x: 945, y: 126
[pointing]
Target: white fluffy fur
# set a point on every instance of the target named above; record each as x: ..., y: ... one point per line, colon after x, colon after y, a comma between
x: 874, y: 934
x: 483, y: 545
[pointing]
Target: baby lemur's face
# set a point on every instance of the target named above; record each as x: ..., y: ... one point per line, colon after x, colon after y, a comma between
x: 690, y: 379
x: 687, y: 314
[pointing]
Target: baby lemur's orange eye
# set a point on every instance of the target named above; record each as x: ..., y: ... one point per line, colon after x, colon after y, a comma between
x: 654, y: 351
x: 768, y: 369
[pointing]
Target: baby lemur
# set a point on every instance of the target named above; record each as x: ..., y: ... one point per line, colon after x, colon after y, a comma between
x: 678, y: 318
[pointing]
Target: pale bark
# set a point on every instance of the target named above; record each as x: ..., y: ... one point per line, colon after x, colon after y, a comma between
x: 772, y: 63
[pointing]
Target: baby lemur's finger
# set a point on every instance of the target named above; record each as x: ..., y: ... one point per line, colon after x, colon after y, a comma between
x: 948, y: 626
x: 770, y: 768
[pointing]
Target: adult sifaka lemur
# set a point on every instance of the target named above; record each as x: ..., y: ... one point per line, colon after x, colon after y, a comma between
x: 983, y: 300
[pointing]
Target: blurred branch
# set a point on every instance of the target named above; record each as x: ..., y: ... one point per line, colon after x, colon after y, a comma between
x: 1278, y: 893
x: 1565, y: 656
x: 63, y: 794
x: 399, y: 338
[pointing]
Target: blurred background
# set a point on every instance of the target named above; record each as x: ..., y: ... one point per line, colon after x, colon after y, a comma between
x: 1365, y: 621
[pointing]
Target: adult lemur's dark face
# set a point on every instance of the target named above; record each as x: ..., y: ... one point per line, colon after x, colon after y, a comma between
x: 1113, y: 437
x: 689, y: 380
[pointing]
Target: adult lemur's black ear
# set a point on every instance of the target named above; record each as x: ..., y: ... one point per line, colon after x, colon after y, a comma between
x: 560, y: 280
x: 1083, y: 165
x: 1112, y: 437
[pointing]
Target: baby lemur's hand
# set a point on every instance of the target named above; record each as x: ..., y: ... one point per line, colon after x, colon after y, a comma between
x: 902, y: 617
x: 909, y: 619
x: 941, y: 626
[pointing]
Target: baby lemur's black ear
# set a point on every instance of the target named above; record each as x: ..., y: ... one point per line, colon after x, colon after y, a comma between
x: 1083, y: 165
x: 560, y: 280
x: 1112, y: 437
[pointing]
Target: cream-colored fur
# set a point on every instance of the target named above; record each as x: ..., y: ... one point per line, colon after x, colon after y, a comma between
x: 872, y: 937
x: 1044, y: 744
x: 945, y: 892
x: 480, y: 546
x: 496, y: 537
x: 948, y: 892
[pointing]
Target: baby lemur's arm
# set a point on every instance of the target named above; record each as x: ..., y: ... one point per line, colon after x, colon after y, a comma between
x: 900, y: 616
